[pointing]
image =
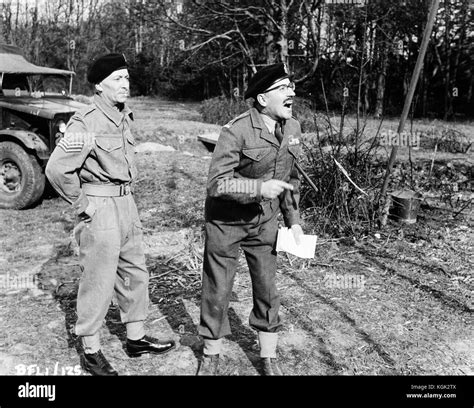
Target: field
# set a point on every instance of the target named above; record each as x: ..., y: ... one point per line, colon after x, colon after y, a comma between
x: 397, y: 302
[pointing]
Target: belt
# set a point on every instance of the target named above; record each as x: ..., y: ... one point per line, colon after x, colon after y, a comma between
x: 106, y: 190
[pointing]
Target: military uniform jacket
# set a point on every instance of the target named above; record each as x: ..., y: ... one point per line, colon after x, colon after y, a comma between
x: 98, y: 147
x: 247, y: 154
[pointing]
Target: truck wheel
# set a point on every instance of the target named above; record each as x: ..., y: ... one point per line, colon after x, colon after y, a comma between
x: 22, y: 180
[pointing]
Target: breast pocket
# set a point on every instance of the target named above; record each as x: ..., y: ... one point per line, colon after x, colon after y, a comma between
x: 110, y: 154
x: 257, y: 161
x: 109, y: 144
x: 256, y: 153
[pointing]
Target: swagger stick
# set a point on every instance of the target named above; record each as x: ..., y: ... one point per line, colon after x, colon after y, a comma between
x: 306, y: 177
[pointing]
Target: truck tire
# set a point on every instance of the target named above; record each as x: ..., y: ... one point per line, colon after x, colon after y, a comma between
x: 22, y: 180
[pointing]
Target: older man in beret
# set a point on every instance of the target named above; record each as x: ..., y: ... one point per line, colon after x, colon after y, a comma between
x: 93, y: 169
x: 252, y: 178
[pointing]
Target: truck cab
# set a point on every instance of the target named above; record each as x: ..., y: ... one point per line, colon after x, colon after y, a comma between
x: 35, y: 106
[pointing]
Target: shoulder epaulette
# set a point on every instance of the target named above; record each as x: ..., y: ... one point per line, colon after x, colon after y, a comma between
x: 82, y: 113
x: 241, y: 116
x: 88, y: 110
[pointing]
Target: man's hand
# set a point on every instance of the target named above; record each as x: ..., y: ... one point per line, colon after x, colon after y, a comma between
x: 297, y: 233
x: 273, y: 188
x: 88, y: 213
x: 85, y: 209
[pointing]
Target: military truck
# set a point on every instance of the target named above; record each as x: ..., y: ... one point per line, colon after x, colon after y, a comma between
x: 35, y: 105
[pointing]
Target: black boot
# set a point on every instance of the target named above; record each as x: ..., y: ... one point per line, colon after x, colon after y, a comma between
x: 97, y: 364
x: 148, y: 344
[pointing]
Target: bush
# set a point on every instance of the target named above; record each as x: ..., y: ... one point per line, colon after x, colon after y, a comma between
x: 304, y: 113
x: 338, y: 208
x: 337, y: 160
x: 220, y: 110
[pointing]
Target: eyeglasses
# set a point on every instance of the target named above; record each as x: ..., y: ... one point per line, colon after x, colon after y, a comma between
x: 283, y: 88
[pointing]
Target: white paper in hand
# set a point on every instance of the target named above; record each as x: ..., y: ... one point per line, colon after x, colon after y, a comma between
x: 286, y: 242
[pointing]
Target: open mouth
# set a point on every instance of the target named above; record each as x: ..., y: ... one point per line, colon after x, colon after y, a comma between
x: 288, y: 104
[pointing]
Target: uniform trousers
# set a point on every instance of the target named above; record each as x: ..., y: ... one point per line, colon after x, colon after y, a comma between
x: 256, y: 235
x: 112, y: 259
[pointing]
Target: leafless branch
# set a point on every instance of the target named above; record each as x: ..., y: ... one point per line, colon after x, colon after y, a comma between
x: 224, y: 36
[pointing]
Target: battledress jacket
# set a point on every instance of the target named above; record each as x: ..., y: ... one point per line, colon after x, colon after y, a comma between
x: 98, y: 147
x: 246, y: 151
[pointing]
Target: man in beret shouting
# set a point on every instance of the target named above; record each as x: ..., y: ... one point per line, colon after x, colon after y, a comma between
x: 251, y: 179
x: 93, y: 169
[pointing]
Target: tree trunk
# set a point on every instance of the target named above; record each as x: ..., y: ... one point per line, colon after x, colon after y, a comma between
x: 461, y: 37
x: 6, y: 27
x: 424, y: 95
x: 283, y: 42
x: 366, y: 104
x: 316, y: 35
x: 471, y: 86
x: 448, y: 100
x: 221, y: 87
x: 381, y: 85
x: 269, y: 45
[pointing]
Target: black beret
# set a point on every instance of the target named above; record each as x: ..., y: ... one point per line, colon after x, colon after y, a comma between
x: 103, y: 66
x: 264, y: 78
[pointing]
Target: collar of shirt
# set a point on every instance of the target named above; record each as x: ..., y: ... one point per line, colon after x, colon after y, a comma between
x: 113, y: 114
x: 269, y: 122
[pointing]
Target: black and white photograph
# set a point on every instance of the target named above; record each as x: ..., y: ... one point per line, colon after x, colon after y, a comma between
x: 236, y: 189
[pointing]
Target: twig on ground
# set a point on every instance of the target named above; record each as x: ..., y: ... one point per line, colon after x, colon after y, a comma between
x: 460, y: 211
x: 325, y: 241
x: 322, y: 264
x: 350, y: 252
x: 386, y: 242
x: 173, y: 257
x: 433, y: 158
x: 162, y: 274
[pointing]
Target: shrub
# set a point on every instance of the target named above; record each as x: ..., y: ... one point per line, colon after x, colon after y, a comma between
x: 341, y: 162
x: 220, y: 110
x: 338, y: 208
x: 304, y: 113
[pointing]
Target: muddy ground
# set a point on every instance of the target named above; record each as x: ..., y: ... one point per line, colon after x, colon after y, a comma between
x: 398, y: 302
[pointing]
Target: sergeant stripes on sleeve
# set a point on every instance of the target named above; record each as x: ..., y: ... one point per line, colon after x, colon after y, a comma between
x: 74, y: 142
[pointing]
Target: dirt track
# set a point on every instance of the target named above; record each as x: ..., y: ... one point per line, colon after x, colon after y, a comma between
x: 400, y: 304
